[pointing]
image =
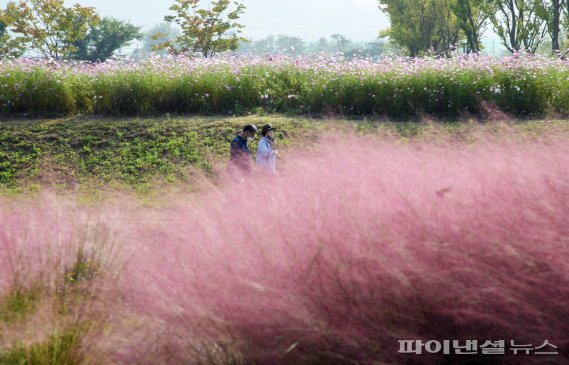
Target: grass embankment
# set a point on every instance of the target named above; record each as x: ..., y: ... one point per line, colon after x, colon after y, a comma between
x: 92, y: 152
x: 64, y: 153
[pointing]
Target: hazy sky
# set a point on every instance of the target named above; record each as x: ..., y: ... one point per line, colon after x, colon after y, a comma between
x: 359, y: 20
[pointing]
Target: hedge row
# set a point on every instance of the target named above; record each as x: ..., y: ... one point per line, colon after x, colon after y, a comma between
x: 397, y: 87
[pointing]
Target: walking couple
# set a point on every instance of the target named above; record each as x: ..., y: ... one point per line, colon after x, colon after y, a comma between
x: 241, y: 157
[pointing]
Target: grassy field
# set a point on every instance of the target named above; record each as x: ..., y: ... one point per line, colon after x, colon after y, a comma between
x: 385, y: 231
x: 90, y: 152
x: 65, y: 153
x: 111, y: 280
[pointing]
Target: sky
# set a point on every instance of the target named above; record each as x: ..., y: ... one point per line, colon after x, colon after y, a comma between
x: 358, y: 20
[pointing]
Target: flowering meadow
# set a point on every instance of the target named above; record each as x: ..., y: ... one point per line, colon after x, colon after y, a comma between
x: 396, y: 87
x: 353, y: 246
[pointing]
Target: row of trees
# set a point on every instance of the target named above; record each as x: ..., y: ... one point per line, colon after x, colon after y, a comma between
x: 59, y: 32
x: 423, y: 26
x: 77, y: 32
x: 420, y: 26
x: 295, y: 46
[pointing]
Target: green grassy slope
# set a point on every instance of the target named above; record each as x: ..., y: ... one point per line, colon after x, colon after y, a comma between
x: 67, y: 153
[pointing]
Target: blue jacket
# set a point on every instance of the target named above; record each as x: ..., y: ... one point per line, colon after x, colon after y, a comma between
x: 240, y: 154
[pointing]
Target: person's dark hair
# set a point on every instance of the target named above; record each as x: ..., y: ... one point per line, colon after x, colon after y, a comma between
x: 250, y: 128
x: 266, y: 128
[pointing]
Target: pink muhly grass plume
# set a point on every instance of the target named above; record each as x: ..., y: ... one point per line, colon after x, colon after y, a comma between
x: 41, y: 237
x: 63, y: 255
x: 354, y: 246
x: 35, y: 236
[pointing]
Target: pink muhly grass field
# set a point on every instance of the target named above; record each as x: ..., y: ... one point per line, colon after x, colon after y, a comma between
x: 37, y: 238
x: 56, y: 265
x: 41, y: 238
x: 354, y: 245
x: 357, y: 245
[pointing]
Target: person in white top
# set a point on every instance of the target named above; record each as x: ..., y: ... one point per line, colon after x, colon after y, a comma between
x: 266, y: 152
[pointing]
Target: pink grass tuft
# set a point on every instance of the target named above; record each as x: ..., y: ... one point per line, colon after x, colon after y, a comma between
x: 357, y: 245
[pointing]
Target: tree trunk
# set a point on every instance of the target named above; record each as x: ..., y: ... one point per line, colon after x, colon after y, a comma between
x: 514, y: 27
x: 556, y: 24
x: 473, y: 38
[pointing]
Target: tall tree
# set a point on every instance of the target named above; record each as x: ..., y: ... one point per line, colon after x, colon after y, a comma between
x: 267, y: 45
x: 9, y: 46
x: 207, y: 31
x: 280, y: 44
x: 552, y: 12
x: 50, y: 27
x: 520, y: 24
x: 341, y: 41
x: 422, y: 26
x: 472, y: 18
x: 375, y: 49
x: 448, y: 28
x: 289, y: 45
x: 105, y: 38
x: 323, y: 45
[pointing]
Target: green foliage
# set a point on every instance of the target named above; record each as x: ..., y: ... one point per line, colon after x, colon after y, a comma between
x: 85, y: 267
x: 206, y: 31
x: 422, y: 26
x: 277, y: 90
x: 142, y: 153
x: 134, y: 152
x: 104, y: 39
x: 48, y: 26
x: 293, y: 46
x: 161, y: 33
x: 17, y: 157
x: 323, y: 45
x: 266, y: 45
x: 9, y: 46
x: 19, y: 303
x: 552, y: 12
x: 39, y: 89
x: 520, y: 24
x: 280, y: 44
x: 340, y: 41
x: 472, y: 17
x: 60, y: 349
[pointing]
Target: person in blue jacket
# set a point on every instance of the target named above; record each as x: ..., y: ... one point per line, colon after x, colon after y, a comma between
x: 240, y: 155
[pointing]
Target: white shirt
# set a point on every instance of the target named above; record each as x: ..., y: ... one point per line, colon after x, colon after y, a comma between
x: 266, y: 157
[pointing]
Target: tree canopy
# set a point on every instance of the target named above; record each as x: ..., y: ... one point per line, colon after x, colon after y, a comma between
x: 205, y: 31
x: 422, y: 26
x: 104, y: 39
x: 9, y: 46
x: 48, y: 26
